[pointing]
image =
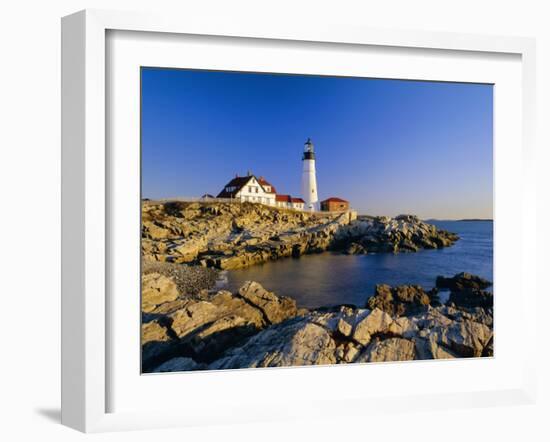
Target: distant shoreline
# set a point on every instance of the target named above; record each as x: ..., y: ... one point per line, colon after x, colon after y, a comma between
x: 462, y: 220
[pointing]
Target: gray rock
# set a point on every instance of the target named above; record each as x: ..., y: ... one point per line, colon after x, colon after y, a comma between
x: 275, y: 308
x: 294, y: 342
x: 428, y: 348
x: 376, y: 322
x: 403, y: 327
x: 392, y: 349
x: 344, y: 327
x: 179, y: 364
x: 466, y: 338
x: 156, y: 289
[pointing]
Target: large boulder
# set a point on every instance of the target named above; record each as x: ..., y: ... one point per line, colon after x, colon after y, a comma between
x: 400, y: 300
x: 204, y: 329
x: 466, y: 338
x: 483, y: 315
x: 213, y: 339
x: 429, y: 348
x: 157, y: 344
x: 433, y: 317
x: 156, y: 289
x: 153, y: 230
x: 383, y: 299
x: 154, y: 331
x: 411, y: 294
x: 229, y: 303
x: 470, y: 297
x: 275, y: 308
x: 391, y: 349
x: 193, y: 316
x: 376, y: 322
x: 462, y: 281
x: 404, y: 233
x: 294, y: 342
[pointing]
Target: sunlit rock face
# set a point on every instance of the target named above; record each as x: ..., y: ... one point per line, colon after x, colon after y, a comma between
x: 236, y: 235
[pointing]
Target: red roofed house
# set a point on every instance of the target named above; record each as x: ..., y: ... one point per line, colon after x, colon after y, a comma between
x: 334, y: 204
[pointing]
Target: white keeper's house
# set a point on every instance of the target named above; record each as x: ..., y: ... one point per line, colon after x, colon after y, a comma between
x: 251, y: 189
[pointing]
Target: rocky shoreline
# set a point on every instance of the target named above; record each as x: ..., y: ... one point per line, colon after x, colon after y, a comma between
x: 189, y: 325
x: 256, y: 328
x: 237, y: 235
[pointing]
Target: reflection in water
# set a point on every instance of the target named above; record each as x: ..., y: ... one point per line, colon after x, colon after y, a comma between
x: 331, y: 278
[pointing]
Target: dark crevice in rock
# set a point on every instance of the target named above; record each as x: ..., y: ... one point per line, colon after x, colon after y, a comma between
x: 166, y: 322
x: 338, y: 337
x: 203, y: 350
x: 257, y: 307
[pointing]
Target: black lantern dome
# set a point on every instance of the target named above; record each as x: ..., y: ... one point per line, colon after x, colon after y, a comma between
x: 308, y: 150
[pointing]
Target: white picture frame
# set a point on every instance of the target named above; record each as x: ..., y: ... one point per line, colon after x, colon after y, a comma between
x: 85, y: 211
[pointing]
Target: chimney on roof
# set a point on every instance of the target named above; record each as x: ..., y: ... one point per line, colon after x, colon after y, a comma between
x: 248, y: 173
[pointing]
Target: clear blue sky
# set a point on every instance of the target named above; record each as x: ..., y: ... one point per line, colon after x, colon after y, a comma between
x: 387, y: 146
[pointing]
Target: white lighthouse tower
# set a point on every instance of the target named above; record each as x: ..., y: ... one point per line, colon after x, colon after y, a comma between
x: 309, y: 180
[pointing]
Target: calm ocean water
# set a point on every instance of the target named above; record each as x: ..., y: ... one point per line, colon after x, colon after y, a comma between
x: 330, y: 278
